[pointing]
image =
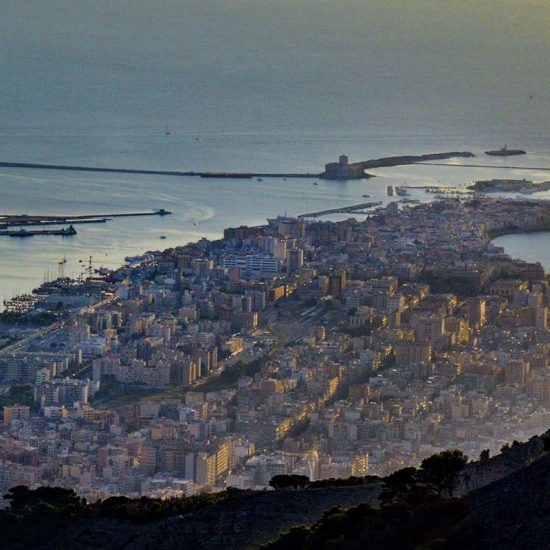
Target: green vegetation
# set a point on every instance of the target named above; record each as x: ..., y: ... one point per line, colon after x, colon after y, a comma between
x: 18, y: 394
x: 281, y: 482
x: 413, y: 514
x: 36, y: 515
x: 229, y: 377
x: 289, y: 482
x: 441, y: 470
x: 484, y: 455
x: 413, y: 523
x: 112, y: 395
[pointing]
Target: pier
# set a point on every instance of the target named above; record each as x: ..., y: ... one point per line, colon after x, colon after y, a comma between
x: 23, y: 220
x: 496, y: 167
x: 353, y: 209
x: 22, y: 233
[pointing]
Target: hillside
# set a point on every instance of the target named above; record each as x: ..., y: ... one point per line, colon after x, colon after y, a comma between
x: 245, y: 521
x: 503, y: 502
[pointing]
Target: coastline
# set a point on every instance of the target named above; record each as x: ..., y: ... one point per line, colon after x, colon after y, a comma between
x: 528, y: 246
x: 496, y: 233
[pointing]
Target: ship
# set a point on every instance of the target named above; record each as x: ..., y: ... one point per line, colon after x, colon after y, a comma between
x: 505, y: 152
x: 22, y: 233
x: 227, y: 175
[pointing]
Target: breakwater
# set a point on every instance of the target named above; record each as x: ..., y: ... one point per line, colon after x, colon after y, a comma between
x: 335, y: 171
x: 176, y: 173
x: 495, y: 166
x: 345, y: 170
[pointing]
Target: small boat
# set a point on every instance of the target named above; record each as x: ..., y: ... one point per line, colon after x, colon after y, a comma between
x: 366, y: 196
x: 61, y: 260
x: 315, y: 183
x: 195, y: 223
x: 163, y: 237
x: 20, y: 233
x: 505, y: 152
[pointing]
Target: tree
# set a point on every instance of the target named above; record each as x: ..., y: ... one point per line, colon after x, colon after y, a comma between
x: 441, y: 470
x: 289, y: 482
x: 484, y: 455
x: 21, y: 498
x: 400, y: 482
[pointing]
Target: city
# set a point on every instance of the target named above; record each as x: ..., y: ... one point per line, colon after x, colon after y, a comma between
x: 318, y: 348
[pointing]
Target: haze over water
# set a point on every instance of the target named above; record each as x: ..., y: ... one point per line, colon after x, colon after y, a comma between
x: 250, y: 85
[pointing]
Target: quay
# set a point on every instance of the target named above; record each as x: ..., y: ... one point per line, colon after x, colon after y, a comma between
x: 18, y: 220
x: 22, y: 233
x: 353, y: 209
x: 496, y: 166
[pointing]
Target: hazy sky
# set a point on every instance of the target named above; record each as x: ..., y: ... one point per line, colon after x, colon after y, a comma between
x: 275, y: 65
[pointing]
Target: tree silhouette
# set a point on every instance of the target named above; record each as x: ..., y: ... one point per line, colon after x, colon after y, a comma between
x: 279, y: 482
x: 484, y: 455
x: 440, y: 470
x: 399, y: 483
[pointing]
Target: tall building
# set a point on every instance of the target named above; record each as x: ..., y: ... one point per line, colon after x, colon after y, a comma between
x: 476, y: 312
x: 411, y: 352
x: 295, y: 259
x: 337, y: 284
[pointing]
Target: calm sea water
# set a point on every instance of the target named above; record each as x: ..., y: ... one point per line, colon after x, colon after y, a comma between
x: 532, y: 247
x: 248, y: 85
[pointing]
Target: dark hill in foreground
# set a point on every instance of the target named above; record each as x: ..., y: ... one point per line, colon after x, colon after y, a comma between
x: 504, y: 504
x: 514, y: 512
x: 244, y: 521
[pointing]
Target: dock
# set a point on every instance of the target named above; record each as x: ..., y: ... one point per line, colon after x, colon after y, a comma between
x: 23, y: 233
x: 353, y: 209
x: 23, y: 220
x: 495, y: 166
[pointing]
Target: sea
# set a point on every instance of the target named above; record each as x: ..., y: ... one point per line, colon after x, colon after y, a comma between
x: 252, y: 86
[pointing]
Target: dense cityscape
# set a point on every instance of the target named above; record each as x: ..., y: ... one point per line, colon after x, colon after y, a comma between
x: 325, y: 349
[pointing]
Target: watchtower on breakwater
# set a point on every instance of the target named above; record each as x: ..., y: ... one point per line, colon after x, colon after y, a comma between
x: 343, y: 170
